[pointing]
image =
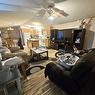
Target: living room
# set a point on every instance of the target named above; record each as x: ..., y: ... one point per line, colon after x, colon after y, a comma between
x: 47, y: 38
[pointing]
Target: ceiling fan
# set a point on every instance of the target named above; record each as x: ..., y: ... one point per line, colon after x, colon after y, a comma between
x: 50, y: 9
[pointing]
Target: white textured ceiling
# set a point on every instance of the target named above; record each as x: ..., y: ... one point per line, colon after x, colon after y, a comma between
x: 22, y: 12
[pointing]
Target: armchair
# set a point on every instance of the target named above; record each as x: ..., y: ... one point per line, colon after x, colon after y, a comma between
x: 80, y: 79
x: 15, y: 51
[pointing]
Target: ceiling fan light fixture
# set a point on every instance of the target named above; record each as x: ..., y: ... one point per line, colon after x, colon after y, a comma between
x: 51, y: 17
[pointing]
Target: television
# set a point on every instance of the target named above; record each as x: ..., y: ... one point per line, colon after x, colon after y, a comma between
x: 60, y: 35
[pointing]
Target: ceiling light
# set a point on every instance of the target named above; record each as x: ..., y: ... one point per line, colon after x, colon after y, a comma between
x: 51, y: 17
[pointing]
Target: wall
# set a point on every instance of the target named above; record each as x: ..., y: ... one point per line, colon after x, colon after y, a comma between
x: 90, y: 31
x: 68, y: 25
x: 26, y: 36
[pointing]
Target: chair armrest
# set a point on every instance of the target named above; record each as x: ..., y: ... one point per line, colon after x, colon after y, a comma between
x: 55, y: 69
x: 8, y: 55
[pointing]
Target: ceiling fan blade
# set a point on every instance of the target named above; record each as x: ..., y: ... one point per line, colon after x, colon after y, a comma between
x: 56, y: 9
x: 41, y: 13
x: 64, y: 14
x: 58, y: 1
x: 60, y: 11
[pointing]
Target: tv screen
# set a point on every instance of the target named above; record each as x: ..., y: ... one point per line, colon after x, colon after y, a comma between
x: 60, y: 35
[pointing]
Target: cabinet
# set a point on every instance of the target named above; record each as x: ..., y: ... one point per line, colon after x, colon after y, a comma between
x: 32, y: 43
x: 78, y: 38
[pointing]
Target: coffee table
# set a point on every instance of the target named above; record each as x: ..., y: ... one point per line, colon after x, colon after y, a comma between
x: 39, y: 52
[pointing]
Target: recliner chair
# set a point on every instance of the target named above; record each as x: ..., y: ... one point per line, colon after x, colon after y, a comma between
x: 80, y: 79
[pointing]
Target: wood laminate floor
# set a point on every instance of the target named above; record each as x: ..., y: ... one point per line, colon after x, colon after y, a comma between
x: 39, y: 85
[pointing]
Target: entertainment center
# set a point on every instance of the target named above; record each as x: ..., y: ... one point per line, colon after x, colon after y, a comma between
x: 59, y: 39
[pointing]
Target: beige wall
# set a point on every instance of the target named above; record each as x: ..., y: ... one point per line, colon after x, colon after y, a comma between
x: 90, y: 31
